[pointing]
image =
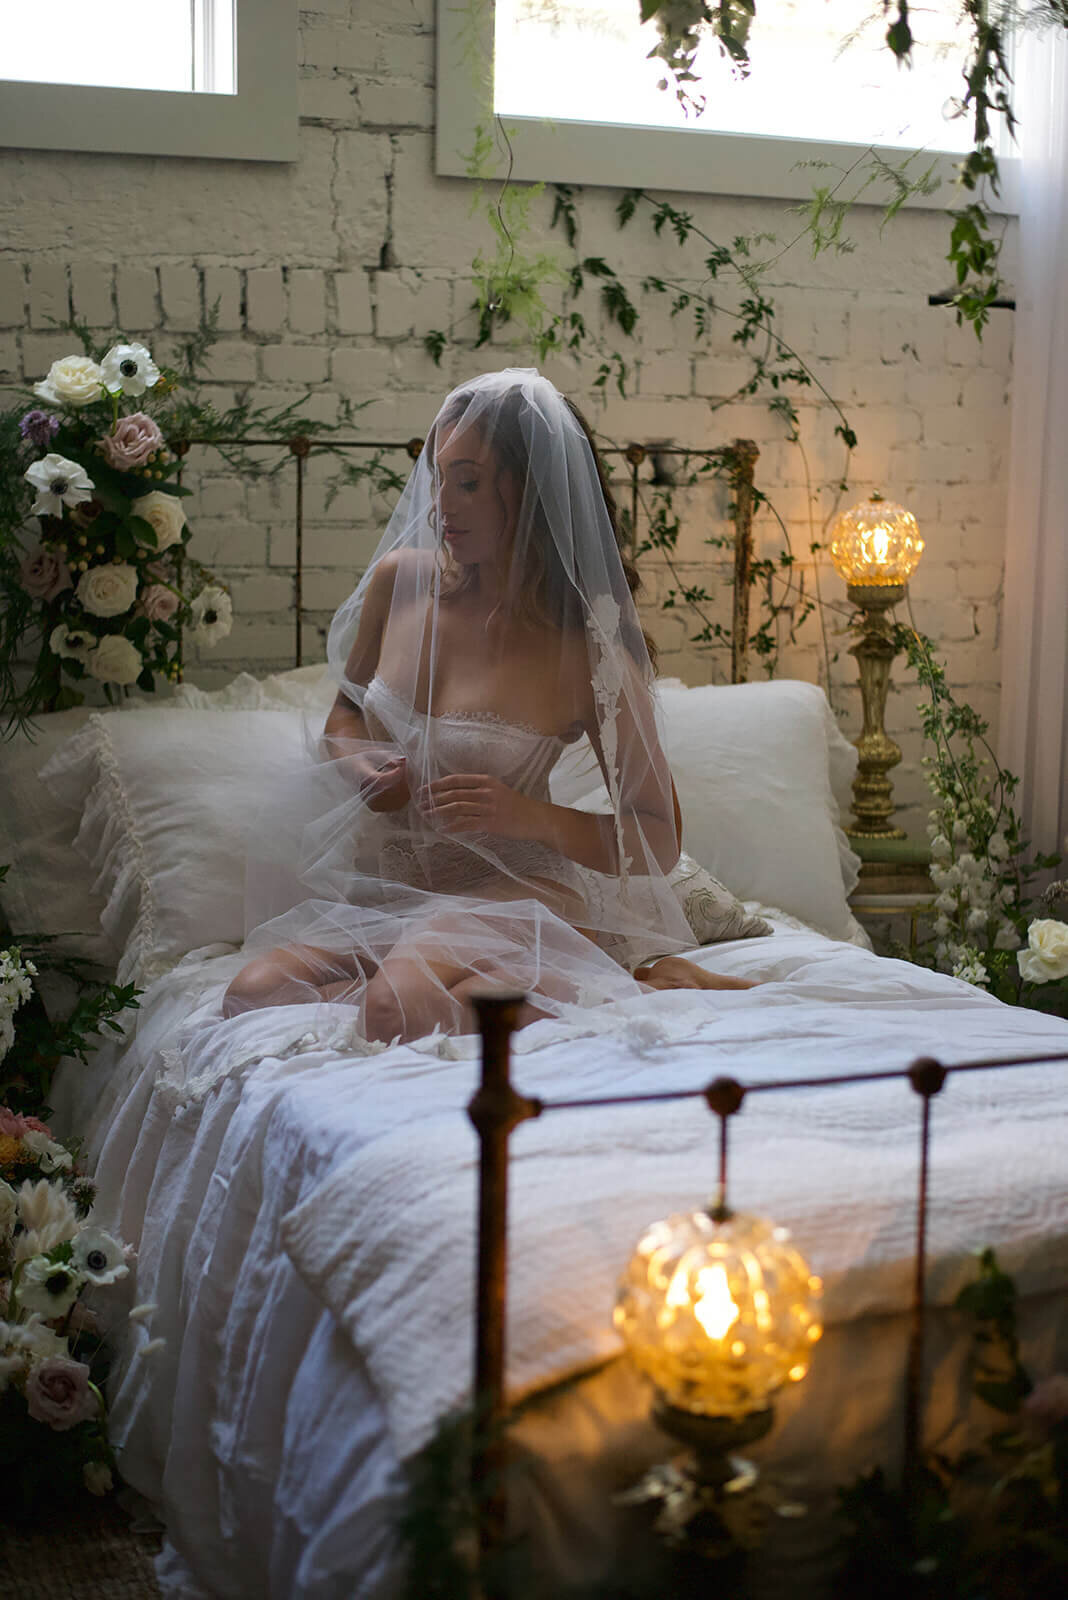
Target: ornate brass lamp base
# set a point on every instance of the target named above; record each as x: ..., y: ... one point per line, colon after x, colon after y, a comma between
x: 875, y: 649
x: 710, y: 1502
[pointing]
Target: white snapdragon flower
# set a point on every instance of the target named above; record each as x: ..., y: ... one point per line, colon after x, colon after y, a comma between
x: 941, y: 849
x: 15, y: 976
x: 946, y: 901
x: 977, y: 920
x: 211, y: 615
x: 960, y: 831
x: 1006, y: 937
x: 129, y: 369
x: 59, y: 483
x: 968, y: 867
x: 971, y: 969
x: 998, y: 848
x: 942, y: 925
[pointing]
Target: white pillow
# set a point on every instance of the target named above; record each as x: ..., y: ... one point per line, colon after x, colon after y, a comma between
x: 168, y: 804
x: 752, y: 767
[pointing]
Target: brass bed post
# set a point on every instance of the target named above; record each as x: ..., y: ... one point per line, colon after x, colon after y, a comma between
x: 743, y: 458
x: 494, y: 1109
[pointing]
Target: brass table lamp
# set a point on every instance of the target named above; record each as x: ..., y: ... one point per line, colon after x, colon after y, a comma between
x: 875, y: 548
x: 719, y: 1310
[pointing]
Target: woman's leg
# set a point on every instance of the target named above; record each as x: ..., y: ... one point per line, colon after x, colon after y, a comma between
x: 294, y: 975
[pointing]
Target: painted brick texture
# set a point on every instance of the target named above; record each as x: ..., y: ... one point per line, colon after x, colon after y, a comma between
x: 328, y: 273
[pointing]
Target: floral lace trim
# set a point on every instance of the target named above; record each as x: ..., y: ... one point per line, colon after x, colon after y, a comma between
x: 494, y: 718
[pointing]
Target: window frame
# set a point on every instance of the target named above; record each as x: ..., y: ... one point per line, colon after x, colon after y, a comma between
x: 258, y: 123
x: 616, y: 155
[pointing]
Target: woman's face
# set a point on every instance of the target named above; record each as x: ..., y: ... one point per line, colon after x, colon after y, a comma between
x: 478, y: 501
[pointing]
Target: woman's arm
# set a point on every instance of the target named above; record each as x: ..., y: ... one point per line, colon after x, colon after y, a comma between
x: 381, y: 781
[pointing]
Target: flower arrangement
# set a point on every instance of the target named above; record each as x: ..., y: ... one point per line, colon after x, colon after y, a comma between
x: 989, y: 928
x: 54, y: 1263
x: 107, y: 584
x: 991, y: 1523
x: 30, y: 1052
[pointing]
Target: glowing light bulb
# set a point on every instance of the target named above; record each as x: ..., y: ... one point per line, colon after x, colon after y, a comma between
x: 715, y: 1310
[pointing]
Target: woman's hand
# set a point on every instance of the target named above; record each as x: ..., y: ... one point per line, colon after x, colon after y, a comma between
x: 474, y: 802
x: 675, y: 972
x: 380, y: 780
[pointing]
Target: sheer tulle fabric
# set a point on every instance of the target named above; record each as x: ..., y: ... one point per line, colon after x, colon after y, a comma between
x: 388, y: 909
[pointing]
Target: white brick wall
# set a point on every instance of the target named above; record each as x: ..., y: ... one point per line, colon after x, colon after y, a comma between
x: 329, y: 272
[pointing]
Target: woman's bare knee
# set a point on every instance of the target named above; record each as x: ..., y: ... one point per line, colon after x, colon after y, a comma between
x: 383, y: 1013
x: 278, y: 978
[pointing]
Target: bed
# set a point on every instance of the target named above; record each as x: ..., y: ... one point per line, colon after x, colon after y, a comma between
x: 303, y: 1203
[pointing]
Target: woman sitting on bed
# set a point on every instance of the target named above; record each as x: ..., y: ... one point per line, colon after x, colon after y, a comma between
x: 494, y: 627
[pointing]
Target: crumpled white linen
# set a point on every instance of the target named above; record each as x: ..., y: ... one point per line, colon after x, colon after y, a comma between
x: 386, y: 1240
x: 257, y: 1428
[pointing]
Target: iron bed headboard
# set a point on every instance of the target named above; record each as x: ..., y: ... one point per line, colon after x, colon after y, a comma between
x: 743, y: 452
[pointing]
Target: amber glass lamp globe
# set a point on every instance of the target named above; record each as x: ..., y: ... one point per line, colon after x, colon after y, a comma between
x: 718, y: 1313
x: 876, y: 544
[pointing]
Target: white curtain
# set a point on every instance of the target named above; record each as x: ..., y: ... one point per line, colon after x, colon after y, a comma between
x: 1033, y: 738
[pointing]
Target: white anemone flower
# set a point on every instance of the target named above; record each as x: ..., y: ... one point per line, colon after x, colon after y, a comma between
x: 51, y: 1157
x: 59, y: 483
x: 129, y: 369
x: 48, y: 1287
x: 98, y: 1257
x: 212, y: 615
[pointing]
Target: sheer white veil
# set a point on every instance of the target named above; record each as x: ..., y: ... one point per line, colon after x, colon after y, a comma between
x: 433, y: 680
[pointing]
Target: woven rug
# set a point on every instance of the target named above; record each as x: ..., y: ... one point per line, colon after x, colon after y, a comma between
x: 90, y: 1554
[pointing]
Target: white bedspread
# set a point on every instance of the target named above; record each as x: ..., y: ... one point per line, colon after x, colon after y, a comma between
x: 258, y: 1426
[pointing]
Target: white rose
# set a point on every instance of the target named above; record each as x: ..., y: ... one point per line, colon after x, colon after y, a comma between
x: 165, y: 515
x: 108, y: 591
x: 115, y: 660
x: 1046, y: 956
x: 71, y: 381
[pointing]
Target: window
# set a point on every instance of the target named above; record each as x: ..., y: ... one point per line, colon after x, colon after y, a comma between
x: 572, y: 83
x: 174, y: 77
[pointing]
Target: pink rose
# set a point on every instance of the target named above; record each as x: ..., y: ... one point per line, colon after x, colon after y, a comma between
x: 43, y: 575
x: 58, y: 1393
x: 158, y: 603
x: 14, y: 1124
x: 134, y: 440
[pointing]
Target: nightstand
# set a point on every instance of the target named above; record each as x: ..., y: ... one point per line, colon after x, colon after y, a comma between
x: 894, y: 891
